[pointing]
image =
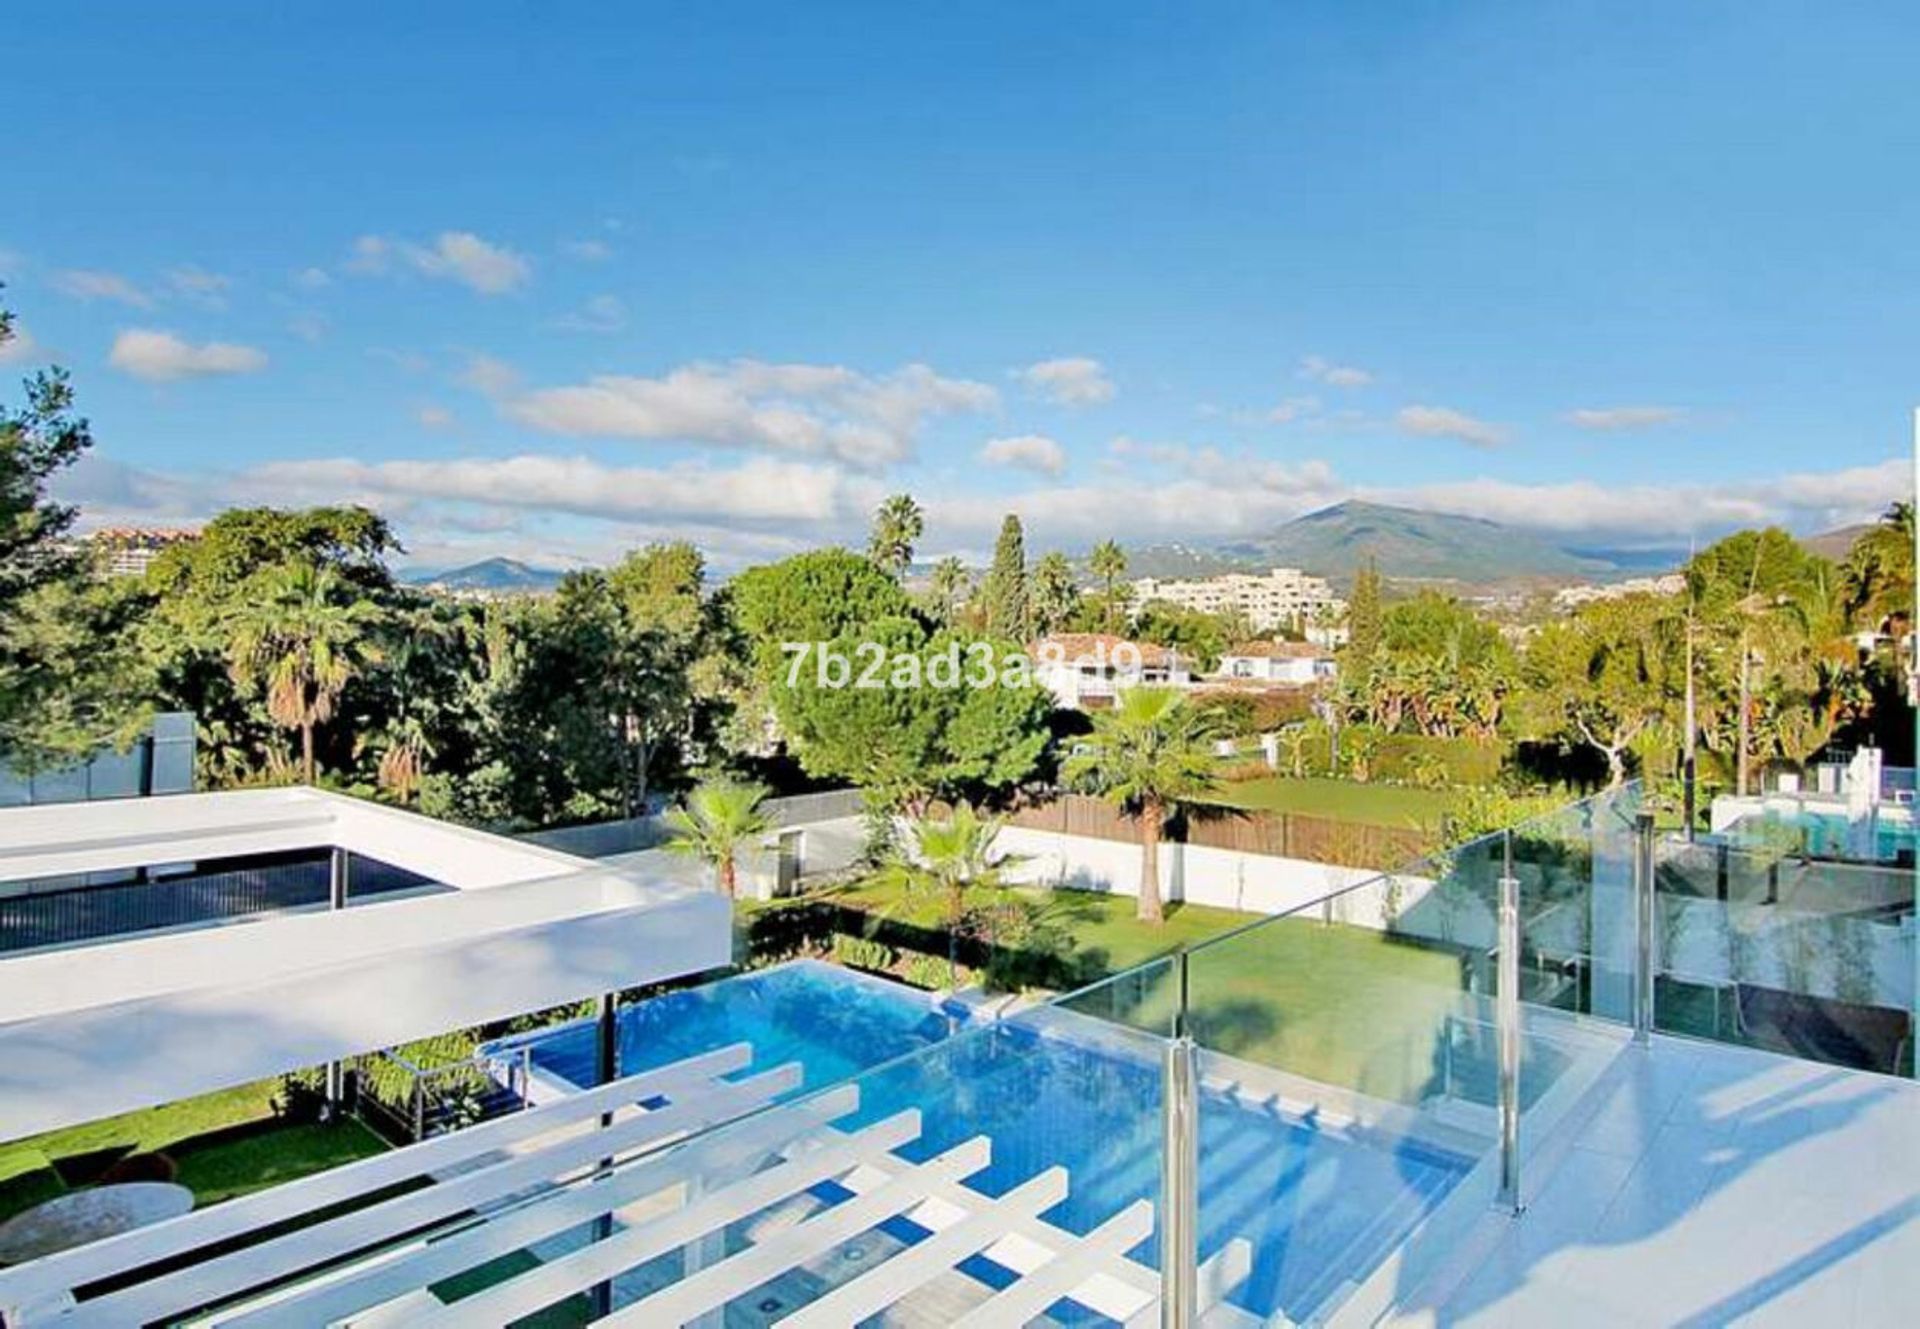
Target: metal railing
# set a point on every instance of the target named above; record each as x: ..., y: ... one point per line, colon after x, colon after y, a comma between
x: 57, y: 913
x: 414, y: 1102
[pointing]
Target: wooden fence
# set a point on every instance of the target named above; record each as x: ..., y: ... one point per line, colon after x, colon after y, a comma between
x: 1284, y: 834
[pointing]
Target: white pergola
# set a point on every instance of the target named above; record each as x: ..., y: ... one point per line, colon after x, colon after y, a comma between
x: 116, y: 1025
x: 589, y: 1189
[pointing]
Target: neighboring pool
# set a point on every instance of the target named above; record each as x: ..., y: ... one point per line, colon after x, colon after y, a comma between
x: 1319, y: 1205
x: 1821, y: 830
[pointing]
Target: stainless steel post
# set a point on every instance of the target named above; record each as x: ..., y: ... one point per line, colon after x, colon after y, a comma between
x: 1643, y: 928
x: 335, y: 1083
x: 1179, y: 1186
x: 1507, y: 1029
x: 607, y: 1069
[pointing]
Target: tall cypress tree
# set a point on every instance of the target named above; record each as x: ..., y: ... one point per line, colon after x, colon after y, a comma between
x: 1364, y: 615
x: 1004, y: 597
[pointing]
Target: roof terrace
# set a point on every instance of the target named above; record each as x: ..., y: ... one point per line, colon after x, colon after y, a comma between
x: 1566, y: 1101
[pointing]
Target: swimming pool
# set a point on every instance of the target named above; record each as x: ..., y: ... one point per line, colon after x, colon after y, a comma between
x: 1319, y: 1204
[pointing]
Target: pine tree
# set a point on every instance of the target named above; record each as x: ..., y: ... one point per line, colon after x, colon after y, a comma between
x: 1005, y: 593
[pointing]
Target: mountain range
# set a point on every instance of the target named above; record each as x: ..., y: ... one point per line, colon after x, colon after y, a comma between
x: 493, y: 575
x: 1405, y: 544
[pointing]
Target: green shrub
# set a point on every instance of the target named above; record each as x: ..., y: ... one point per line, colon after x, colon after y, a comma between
x: 932, y: 972
x: 1411, y: 758
x: 861, y: 953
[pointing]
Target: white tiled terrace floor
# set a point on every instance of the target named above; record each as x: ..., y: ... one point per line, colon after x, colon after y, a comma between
x: 1715, y: 1186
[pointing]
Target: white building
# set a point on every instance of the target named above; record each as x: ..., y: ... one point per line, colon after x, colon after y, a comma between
x: 1572, y: 597
x: 1281, y: 597
x: 1295, y: 663
x: 128, y: 551
x: 1077, y: 667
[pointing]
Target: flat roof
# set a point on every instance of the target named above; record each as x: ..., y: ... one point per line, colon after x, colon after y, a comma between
x: 116, y: 1025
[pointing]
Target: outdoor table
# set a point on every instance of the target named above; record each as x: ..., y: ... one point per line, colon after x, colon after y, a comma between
x: 88, y: 1215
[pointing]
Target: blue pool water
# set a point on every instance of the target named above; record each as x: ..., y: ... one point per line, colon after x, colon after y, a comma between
x: 1318, y: 1204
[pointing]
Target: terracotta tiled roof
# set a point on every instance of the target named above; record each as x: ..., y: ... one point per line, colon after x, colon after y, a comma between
x: 1279, y: 650
x: 1076, y: 647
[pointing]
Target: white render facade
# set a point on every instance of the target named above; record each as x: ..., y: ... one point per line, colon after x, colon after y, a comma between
x: 1280, y: 597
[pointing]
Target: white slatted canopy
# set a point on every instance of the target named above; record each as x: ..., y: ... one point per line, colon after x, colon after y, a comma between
x: 104, y: 1028
x: 709, y: 1173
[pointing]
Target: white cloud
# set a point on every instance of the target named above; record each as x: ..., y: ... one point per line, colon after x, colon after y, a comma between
x: 1032, y: 452
x: 461, y: 256
x: 312, y: 279
x: 603, y: 313
x: 757, y: 490
x: 1293, y: 408
x: 587, y: 251
x: 1321, y: 370
x: 824, y: 410
x: 372, y: 255
x: 1070, y: 381
x: 199, y: 285
x: 307, y: 326
x: 91, y: 284
x: 434, y: 417
x: 19, y: 347
x: 490, y: 377
x: 161, y: 357
x: 1444, y: 422
x: 1623, y: 417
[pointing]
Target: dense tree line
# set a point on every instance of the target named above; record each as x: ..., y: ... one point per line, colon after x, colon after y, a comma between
x: 288, y: 636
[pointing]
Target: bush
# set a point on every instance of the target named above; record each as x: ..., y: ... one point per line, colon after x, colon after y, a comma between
x: 1254, y: 768
x: 1413, y: 758
x: 931, y: 972
x: 861, y: 953
x: 301, y: 1098
x: 140, y: 1167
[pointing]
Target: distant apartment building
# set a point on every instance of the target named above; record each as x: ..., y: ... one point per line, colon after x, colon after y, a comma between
x: 1572, y: 597
x: 1081, y: 667
x: 1283, y: 663
x: 1278, y: 598
x: 127, y: 551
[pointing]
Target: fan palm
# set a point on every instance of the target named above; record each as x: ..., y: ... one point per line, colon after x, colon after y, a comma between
x: 721, y: 818
x: 897, y: 526
x: 950, y: 858
x: 1150, y: 752
x: 302, y: 640
x: 1109, y: 564
x: 948, y: 584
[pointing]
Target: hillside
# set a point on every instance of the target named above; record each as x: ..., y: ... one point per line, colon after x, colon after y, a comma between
x: 491, y: 574
x: 1407, y: 543
x: 1835, y: 544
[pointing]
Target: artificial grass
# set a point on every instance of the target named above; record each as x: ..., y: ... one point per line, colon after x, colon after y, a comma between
x: 1341, y: 800
x: 224, y: 1144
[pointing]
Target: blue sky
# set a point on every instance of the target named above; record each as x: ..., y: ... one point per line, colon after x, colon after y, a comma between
x: 550, y: 281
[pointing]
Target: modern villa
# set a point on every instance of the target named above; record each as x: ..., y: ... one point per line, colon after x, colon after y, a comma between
x: 1589, y: 1070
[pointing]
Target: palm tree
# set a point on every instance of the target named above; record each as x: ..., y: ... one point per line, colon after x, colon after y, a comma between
x: 948, y: 584
x: 302, y: 640
x: 722, y: 817
x: 1879, y: 570
x: 1109, y: 563
x: 1146, y: 755
x: 1052, y: 596
x: 897, y: 525
x: 950, y: 858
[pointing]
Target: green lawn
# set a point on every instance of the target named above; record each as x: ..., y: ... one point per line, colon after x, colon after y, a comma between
x: 224, y: 1144
x: 1317, y: 796
x: 1091, y: 934
x: 1339, y: 1004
